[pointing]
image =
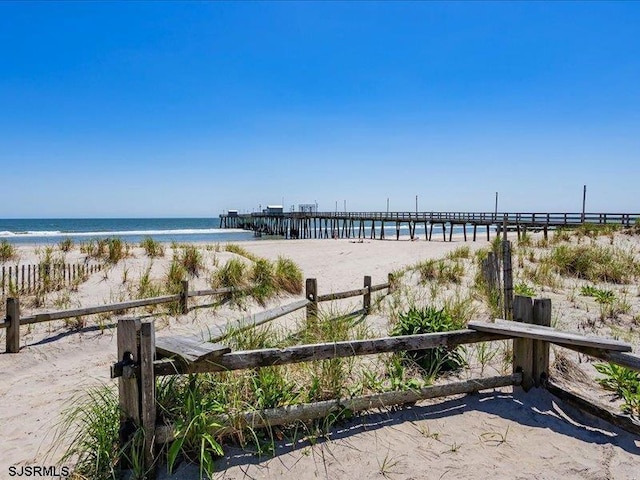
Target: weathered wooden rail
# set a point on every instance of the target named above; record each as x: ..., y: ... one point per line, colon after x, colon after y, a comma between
x: 138, y: 366
x: 30, y: 278
x: 372, y: 224
x: 14, y: 320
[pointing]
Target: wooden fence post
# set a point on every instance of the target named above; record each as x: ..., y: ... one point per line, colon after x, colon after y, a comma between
x: 523, y: 347
x: 392, y: 283
x: 311, y: 293
x: 184, y: 297
x: 13, y: 329
x: 507, y: 279
x: 148, y: 398
x: 541, y: 316
x: 366, y: 298
x: 128, y: 391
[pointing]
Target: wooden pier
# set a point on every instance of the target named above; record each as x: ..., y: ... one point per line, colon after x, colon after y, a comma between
x: 372, y: 224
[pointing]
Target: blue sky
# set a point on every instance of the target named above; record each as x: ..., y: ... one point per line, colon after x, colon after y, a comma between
x: 189, y: 109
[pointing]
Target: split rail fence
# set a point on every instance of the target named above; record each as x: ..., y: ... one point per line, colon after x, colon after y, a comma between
x: 141, y: 359
x: 14, y: 320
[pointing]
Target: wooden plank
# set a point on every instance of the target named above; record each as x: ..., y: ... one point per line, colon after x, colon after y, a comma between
x: 13, y: 329
x: 626, y: 422
x: 309, y: 411
x: 128, y: 352
x: 507, y: 278
x: 220, y: 332
x: 148, y: 387
x: 549, y: 334
x: 311, y: 294
x: 341, y: 295
x: 541, y: 317
x: 323, y: 351
x: 189, y: 349
x: 523, y: 347
x: 47, y: 317
x: 628, y: 360
x: 379, y: 286
x: 366, y: 298
x: 184, y: 297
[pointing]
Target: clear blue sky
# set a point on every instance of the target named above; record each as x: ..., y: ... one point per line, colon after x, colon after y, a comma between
x: 187, y: 109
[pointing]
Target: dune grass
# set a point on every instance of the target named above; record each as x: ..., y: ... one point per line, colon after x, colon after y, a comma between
x: 596, y: 263
x: 8, y: 251
x: 152, y: 248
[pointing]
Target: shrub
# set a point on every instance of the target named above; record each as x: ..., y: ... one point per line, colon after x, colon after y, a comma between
x: 430, y: 320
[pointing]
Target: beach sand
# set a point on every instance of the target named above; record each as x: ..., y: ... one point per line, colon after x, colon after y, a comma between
x: 493, y: 434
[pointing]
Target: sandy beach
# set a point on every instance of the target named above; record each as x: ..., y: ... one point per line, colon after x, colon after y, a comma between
x: 503, y: 434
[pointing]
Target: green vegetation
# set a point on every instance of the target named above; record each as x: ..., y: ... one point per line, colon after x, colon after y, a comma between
x: 596, y: 263
x: 624, y: 382
x: 110, y: 250
x: 288, y: 276
x: 263, y: 279
x: 441, y: 271
x: 243, y: 252
x: 152, y: 247
x: 524, y: 290
x: 91, y: 423
x: 7, y: 251
x: 430, y: 320
x: 601, y: 296
x: 65, y: 245
x: 233, y: 274
x: 191, y: 260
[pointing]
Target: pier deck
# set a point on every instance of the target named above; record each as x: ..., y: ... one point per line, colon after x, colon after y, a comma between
x: 372, y: 224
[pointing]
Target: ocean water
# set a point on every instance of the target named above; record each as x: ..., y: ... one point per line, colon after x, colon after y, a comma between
x: 52, y: 230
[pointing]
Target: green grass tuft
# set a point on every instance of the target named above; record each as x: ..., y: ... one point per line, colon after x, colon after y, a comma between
x: 7, y: 251
x: 152, y: 247
x: 288, y: 276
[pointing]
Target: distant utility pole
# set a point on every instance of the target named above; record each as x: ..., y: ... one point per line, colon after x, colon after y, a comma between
x: 336, y: 206
x: 496, y: 210
x: 584, y: 201
x: 387, y: 204
x: 416, y: 204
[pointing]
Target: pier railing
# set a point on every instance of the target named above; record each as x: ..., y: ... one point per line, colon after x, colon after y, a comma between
x: 555, y: 218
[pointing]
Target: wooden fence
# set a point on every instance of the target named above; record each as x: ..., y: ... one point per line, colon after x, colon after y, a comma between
x: 14, y: 320
x: 30, y: 278
x: 140, y: 362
